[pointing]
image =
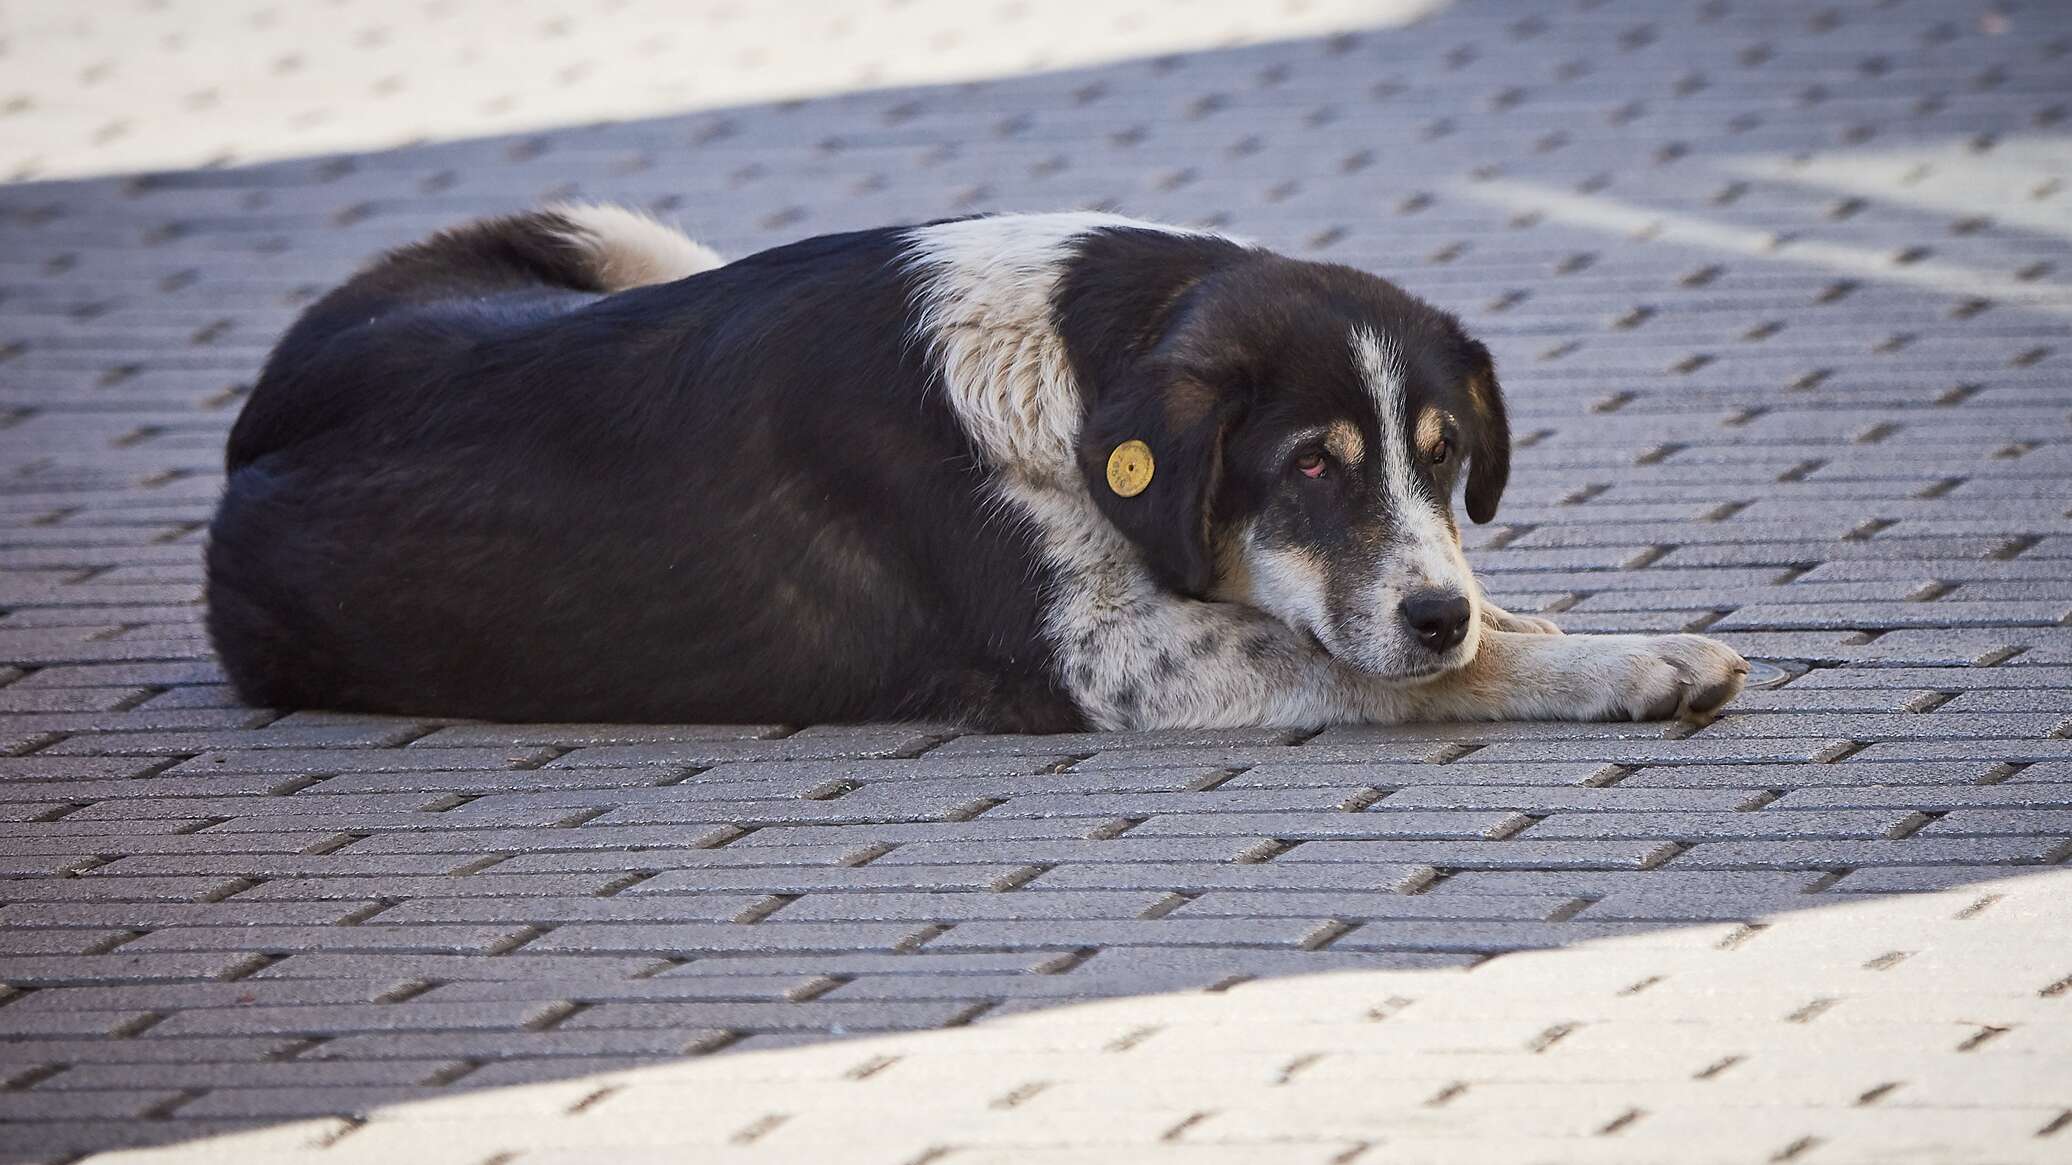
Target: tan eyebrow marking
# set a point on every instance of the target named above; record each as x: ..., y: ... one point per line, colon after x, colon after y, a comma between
x: 1431, y: 429
x: 1343, y: 440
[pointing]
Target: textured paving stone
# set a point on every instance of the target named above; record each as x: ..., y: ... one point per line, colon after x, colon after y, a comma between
x: 1778, y: 293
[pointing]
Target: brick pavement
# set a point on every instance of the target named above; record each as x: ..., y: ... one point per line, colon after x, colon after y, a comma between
x: 1781, y: 298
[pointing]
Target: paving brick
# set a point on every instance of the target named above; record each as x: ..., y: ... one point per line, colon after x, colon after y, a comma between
x: 171, y: 996
x: 2010, y: 751
x: 870, y: 806
x: 630, y: 857
x: 806, y: 880
x: 889, y: 743
x: 1397, y: 776
x: 1538, y: 799
x: 1152, y: 932
x: 120, y: 1054
x: 1910, y: 879
x: 497, y: 782
x: 1764, y: 823
x: 1946, y: 679
x: 258, y: 1074
x: 706, y: 989
x: 423, y: 939
x: 979, y: 829
x: 1809, y: 776
x: 1485, y: 936
x: 554, y: 911
x: 461, y: 968
x: 959, y: 907
x: 2006, y: 700
x: 54, y: 1106
x: 1222, y: 800
x: 523, y: 736
x: 547, y: 1069
x: 291, y: 864
x: 200, y: 889
x: 1406, y: 750
x: 1766, y: 750
x: 1489, y: 855
x: 1650, y: 906
x: 1918, y: 851
x: 1121, y: 849
x: 121, y: 966
x: 490, y: 840
x: 612, y: 793
x: 393, y: 886
x: 663, y: 1041
x: 44, y: 767
x: 1164, y: 743
x: 139, y: 842
x: 992, y: 989
x: 939, y: 764
x: 1355, y: 905
x: 693, y: 937
x: 345, y: 1019
x: 1933, y: 799
x: 1195, y: 877
x: 864, y: 964
x: 2027, y: 822
x: 336, y: 759
x: 1871, y: 728
x: 99, y: 913
x: 1225, y: 963
x: 841, y: 1017
x: 308, y: 740
x: 274, y: 1103
x: 1301, y: 826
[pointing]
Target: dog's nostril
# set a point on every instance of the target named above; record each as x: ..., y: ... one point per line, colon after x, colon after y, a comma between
x: 1438, y: 618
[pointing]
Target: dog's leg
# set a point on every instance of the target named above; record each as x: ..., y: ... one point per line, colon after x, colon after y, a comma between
x: 1184, y: 664
x: 1586, y: 677
x: 1178, y: 663
x: 1496, y: 618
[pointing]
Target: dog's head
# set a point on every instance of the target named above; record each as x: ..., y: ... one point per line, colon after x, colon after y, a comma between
x: 1307, y: 426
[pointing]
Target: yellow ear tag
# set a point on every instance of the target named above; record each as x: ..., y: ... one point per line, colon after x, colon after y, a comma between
x: 1129, y: 468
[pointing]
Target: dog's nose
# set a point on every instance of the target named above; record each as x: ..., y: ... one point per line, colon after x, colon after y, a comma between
x: 1439, y: 618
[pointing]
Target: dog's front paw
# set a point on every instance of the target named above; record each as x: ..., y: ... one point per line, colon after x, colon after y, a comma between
x: 1682, y: 677
x: 1498, y: 619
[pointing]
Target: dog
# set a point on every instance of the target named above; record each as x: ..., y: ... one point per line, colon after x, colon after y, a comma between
x: 1023, y: 473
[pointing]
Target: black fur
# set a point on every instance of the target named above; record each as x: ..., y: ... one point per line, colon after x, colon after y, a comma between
x: 726, y: 498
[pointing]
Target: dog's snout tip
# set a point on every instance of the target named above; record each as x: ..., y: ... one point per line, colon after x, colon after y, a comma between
x: 1438, y: 618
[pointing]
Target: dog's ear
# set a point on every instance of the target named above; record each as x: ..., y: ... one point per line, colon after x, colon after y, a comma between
x: 1488, y: 436
x: 1152, y: 455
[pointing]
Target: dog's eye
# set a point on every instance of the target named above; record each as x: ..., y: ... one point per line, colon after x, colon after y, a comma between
x: 1441, y: 451
x: 1312, y: 464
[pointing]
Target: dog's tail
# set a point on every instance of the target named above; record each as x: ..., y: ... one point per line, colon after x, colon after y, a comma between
x: 600, y: 247
x: 573, y: 246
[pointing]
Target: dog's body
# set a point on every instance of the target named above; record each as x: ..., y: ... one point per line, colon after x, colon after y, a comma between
x: 1030, y: 473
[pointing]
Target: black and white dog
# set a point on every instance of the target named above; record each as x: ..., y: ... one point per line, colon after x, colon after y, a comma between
x: 1029, y: 473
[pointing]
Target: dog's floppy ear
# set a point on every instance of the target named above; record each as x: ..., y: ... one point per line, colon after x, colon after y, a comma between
x: 1488, y: 436
x: 1152, y: 455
